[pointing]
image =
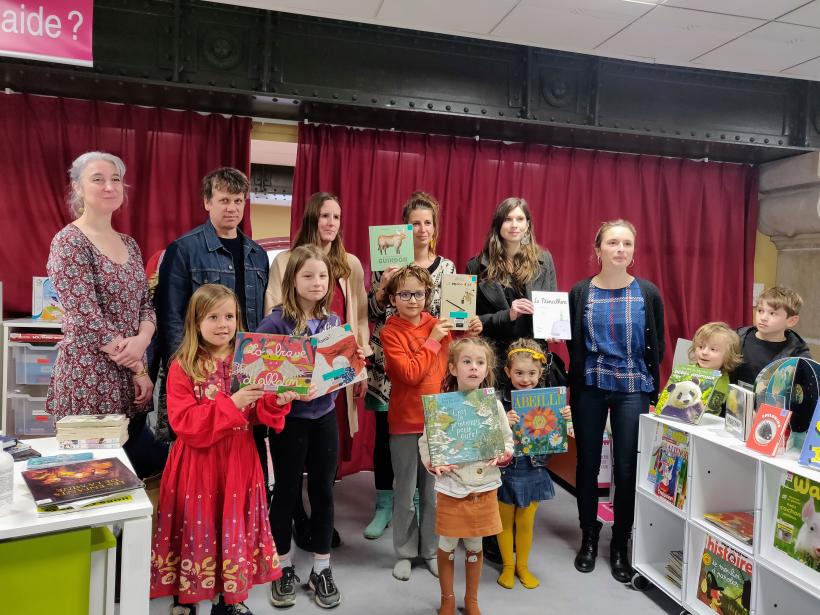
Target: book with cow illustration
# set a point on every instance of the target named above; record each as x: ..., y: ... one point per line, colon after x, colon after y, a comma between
x: 540, y: 430
x: 391, y: 246
x: 337, y: 362
x: 458, y: 298
x: 278, y: 362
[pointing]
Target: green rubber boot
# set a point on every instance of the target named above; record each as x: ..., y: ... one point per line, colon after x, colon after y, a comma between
x: 416, y: 506
x: 384, y: 513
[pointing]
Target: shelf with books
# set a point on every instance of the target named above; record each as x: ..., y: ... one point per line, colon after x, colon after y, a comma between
x: 723, y: 535
x: 663, y: 469
x: 658, y: 534
x: 776, y: 595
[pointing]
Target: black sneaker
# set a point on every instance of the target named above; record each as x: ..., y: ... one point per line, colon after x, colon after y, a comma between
x: 283, y: 589
x: 220, y: 608
x: 326, y: 594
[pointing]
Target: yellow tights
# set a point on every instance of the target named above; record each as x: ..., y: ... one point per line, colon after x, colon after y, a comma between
x: 517, y: 521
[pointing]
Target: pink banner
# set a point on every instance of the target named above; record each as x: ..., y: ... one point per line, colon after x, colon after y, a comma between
x: 51, y: 30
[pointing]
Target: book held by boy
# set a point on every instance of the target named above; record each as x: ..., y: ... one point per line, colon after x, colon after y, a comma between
x: 458, y: 298
x: 687, y: 393
x: 278, y: 362
x: 550, y: 320
x: 810, y: 455
x: 768, y: 429
x: 540, y: 430
x: 797, y: 526
x: 739, y: 524
x: 462, y: 426
x: 391, y: 246
x: 82, y: 480
x: 337, y: 362
x: 740, y: 410
x: 92, y: 431
x: 725, y: 579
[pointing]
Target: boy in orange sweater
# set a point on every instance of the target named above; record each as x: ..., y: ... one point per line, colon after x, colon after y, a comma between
x: 415, y: 350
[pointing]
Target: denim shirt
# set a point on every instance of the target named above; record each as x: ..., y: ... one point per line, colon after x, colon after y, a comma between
x: 198, y: 258
x: 537, y: 461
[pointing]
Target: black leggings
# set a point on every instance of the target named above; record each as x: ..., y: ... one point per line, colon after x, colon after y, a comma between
x: 311, y: 444
x: 382, y: 464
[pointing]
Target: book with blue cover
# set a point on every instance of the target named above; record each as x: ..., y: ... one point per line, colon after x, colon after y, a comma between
x: 540, y: 430
x: 810, y: 455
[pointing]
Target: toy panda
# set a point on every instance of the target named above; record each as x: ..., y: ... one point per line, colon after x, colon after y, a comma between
x: 684, y: 401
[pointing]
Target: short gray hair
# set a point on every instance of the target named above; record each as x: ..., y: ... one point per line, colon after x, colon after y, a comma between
x: 75, y: 201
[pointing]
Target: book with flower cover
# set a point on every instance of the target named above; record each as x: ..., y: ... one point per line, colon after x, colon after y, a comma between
x: 725, y: 579
x: 462, y: 426
x: 81, y: 480
x: 540, y: 430
x: 337, y: 360
x: 278, y: 362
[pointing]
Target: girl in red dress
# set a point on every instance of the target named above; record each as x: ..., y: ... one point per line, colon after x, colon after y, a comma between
x: 213, y: 536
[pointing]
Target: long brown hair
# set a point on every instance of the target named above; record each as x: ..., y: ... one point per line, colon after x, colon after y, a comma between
x: 309, y: 235
x: 524, y: 265
x: 450, y: 382
x: 422, y: 200
x: 291, y: 310
x: 193, y: 355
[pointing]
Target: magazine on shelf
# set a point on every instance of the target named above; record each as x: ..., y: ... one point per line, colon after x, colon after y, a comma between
x: 458, y: 298
x: 687, y: 393
x: 337, y: 362
x: 810, y: 455
x: 674, y: 567
x: 278, y: 362
x: 797, y: 526
x: 82, y: 480
x: 462, y: 426
x: 550, y: 320
x: 739, y: 524
x: 669, y: 467
x: 740, y: 410
x: 768, y: 429
x: 725, y: 579
x: 540, y: 430
x: 391, y: 246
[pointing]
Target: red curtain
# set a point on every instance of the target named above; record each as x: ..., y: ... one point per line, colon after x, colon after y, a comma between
x: 166, y: 154
x: 696, y: 220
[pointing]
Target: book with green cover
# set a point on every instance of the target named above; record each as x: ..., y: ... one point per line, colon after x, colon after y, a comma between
x: 462, y: 426
x: 797, y: 527
x: 458, y: 298
x: 391, y: 246
x: 725, y: 580
x: 540, y: 430
x: 688, y: 393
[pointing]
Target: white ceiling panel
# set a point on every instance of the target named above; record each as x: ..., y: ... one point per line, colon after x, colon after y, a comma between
x: 354, y: 10
x: 567, y: 24
x: 771, y: 48
x: 760, y: 9
x: 466, y: 16
x: 808, y: 15
x: 672, y: 35
x: 807, y: 70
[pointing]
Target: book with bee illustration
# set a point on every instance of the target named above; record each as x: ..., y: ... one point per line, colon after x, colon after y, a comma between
x: 462, y: 426
x: 540, y: 430
x: 278, y: 362
x: 458, y: 298
x: 81, y: 480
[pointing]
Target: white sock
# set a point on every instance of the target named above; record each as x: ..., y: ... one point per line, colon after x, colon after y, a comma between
x: 320, y: 562
x: 284, y: 560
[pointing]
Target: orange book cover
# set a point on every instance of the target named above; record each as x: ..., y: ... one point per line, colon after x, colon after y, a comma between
x: 768, y: 428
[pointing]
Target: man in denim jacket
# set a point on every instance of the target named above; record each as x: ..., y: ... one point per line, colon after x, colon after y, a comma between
x: 217, y: 253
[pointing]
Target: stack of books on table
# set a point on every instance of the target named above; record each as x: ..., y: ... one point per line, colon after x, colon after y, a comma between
x: 18, y: 449
x: 674, y: 567
x: 92, y: 431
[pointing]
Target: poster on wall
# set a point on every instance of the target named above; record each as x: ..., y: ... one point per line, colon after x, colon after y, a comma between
x: 48, y: 30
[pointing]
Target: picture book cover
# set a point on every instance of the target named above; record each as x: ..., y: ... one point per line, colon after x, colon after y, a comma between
x: 740, y: 524
x: 80, y: 481
x: 45, y: 304
x: 797, y: 527
x: 740, y: 409
x: 337, y: 363
x: 671, y: 466
x: 551, y: 317
x: 810, y: 455
x: 458, y: 298
x: 768, y: 429
x: 687, y: 393
x: 279, y: 362
x: 462, y: 426
x: 725, y: 580
x: 540, y: 430
x: 391, y: 246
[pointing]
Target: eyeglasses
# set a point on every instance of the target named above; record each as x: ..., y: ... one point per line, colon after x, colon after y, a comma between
x: 406, y: 295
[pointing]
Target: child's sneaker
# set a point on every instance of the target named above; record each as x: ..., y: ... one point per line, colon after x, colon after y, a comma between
x: 283, y: 589
x: 326, y: 594
x: 220, y: 608
x: 182, y: 609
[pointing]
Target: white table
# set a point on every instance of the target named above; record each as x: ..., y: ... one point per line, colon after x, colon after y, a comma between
x: 21, y: 521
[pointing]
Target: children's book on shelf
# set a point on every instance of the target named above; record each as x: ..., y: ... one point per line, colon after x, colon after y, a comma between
x: 725, y: 580
x: 739, y: 524
x: 768, y: 429
x: 337, y: 362
x: 45, y: 304
x: 550, y: 320
x: 462, y: 426
x: 688, y: 393
x: 740, y: 410
x: 81, y: 480
x: 669, y: 469
x: 540, y: 430
x: 810, y: 455
x: 797, y: 527
x: 458, y: 298
x: 278, y: 362
x: 391, y: 246
x: 674, y: 567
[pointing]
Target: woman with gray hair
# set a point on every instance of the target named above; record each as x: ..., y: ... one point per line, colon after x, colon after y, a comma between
x: 109, y: 320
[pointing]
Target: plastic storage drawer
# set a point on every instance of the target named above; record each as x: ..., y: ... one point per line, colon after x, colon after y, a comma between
x: 33, y: 363
x: 30, y: 418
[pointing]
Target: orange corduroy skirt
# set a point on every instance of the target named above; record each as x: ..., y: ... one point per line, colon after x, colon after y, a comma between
x: 473, y: 516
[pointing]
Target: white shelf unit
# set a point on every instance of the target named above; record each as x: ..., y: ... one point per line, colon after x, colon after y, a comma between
x: 31, y: 394
x: 723, y: 476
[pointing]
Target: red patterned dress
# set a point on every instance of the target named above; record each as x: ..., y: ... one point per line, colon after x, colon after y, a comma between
x: 102, y: 299
x: 213, y: 534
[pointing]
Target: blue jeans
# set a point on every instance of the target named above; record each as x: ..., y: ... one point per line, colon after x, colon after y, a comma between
x: 589, y: 419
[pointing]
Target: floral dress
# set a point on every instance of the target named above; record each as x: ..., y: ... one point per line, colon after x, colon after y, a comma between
x: 213, y: 535
x: 102, y: 299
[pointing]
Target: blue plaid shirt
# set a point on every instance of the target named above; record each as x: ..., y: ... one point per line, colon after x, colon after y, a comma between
x: 614, y: 323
